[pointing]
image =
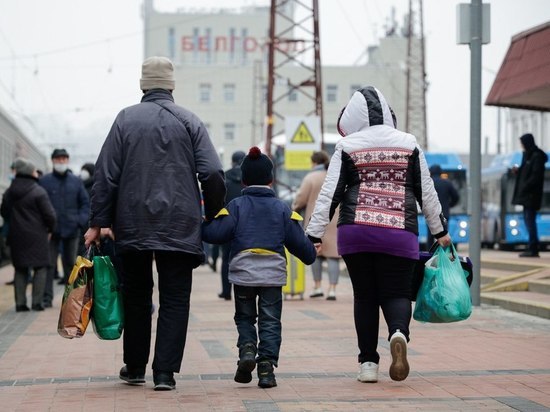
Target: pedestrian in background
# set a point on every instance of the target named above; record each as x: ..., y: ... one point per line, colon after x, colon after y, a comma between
x: 87, y: 177
x: 32, y: 219
x: 259, y: 227
x: 305, y: 201
x: 71, y: 204
x: 529, y: 188
x: 377, y: 174
x: 146, y: 190
x: 234, y: 187
x: 447, y: 194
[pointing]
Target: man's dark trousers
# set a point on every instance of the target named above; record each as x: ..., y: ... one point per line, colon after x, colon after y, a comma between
x: 174, y: 284
x: 530, y: 219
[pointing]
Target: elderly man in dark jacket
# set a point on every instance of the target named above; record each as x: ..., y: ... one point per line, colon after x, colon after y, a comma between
x: 71, y: 203
x: 528, y: 189
x: 146, y: 190
x: 32, y: 218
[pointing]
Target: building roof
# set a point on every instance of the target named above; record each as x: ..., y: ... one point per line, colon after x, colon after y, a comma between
x: 523, y: 80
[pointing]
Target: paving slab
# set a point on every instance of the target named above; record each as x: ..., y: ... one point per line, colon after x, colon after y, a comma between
x: 497, y: 360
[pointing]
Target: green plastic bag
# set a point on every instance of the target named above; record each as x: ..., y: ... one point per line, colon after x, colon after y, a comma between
x: 108, y: 309
x: 444, y: 295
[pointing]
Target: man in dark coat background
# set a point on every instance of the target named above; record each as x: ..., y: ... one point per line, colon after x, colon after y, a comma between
x: 32, y: 218
x: 529, y: 188
x: 72, y: 205
x: 234, y: 188
x: 447, y: 194
x: 146, y: 190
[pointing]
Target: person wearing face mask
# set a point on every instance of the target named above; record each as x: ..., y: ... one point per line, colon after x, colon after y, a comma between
x: 72, y: 205
x: 87, y: 176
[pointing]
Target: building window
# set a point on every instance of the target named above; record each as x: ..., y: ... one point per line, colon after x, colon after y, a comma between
x: 229, y: 92
x: 292, y: 94
x: 229, y: 131
x: 264, y: 93
x: 205, y: 90
x: 332, y: 93
x: 353, y: 88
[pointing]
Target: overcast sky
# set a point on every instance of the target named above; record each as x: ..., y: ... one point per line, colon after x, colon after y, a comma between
x: 69, y: 66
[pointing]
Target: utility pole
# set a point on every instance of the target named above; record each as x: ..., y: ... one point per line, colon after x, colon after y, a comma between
x: 473, y: 25
x: 293, y: 40
x: 415, y: 110
x: 258, y: 98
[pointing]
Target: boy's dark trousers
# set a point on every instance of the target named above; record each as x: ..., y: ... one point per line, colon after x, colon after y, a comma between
x: 267, y: 312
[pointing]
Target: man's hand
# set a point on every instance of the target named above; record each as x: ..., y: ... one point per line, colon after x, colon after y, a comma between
x: 107, y: 232
x: 92, y: 235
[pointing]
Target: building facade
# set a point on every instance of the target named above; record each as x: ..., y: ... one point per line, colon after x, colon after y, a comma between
x: 220, y: 57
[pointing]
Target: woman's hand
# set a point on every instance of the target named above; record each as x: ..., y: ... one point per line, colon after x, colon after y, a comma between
x: 445, y: 240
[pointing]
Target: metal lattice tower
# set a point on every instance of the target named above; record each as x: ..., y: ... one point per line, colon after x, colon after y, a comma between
x: 415, y: 118
x: 293, y: 41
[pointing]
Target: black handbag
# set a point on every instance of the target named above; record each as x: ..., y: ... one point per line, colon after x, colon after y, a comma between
x: 418, y: 274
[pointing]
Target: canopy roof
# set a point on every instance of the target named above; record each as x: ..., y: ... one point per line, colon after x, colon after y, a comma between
x: 523, y: 80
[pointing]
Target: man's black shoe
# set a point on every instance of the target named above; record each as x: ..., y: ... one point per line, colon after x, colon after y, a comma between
x: 266, y: 375
x: 246, y: 363
x: 529, y: 254
x: 10, y: 282
x: 132, y: 375
x: 38, y: 307
x: 47, y: 304
x: 22, y: 308
x: 222, y: 296
x: 164, y: 381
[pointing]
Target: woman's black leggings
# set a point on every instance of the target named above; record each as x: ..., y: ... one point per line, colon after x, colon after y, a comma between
x: 379, y: 280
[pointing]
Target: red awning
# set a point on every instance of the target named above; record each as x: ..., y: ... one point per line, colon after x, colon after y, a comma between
x: 523, y: 80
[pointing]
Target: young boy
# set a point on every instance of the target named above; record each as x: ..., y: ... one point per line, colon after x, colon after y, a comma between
x: 259, y: 227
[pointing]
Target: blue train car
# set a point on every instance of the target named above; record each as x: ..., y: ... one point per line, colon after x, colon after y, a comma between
x: 459, y: 221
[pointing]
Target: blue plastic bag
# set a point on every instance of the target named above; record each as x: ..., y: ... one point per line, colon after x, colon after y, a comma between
x: 444, y: 295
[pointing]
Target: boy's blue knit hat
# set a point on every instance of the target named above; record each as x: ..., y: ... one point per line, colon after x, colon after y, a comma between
x: 256, y: 168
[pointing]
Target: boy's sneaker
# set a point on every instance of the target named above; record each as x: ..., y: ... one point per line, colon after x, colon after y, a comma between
x: 399, y: 368
x: 246, y: 363
x: 368, y: 372
x: 265, y: 375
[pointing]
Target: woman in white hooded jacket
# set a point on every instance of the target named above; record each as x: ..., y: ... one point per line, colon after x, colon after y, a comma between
x: 377, y: 176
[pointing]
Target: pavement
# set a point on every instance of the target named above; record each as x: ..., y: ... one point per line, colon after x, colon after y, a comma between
x: 496, y: 360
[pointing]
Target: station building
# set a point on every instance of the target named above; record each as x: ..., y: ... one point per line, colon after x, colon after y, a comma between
x: 221, y: 72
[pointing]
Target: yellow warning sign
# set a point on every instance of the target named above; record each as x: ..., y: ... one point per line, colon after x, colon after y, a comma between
x: 302, y: 135
x: 298, y: 159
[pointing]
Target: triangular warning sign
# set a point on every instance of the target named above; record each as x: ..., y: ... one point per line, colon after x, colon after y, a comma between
x: 302, y: 135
